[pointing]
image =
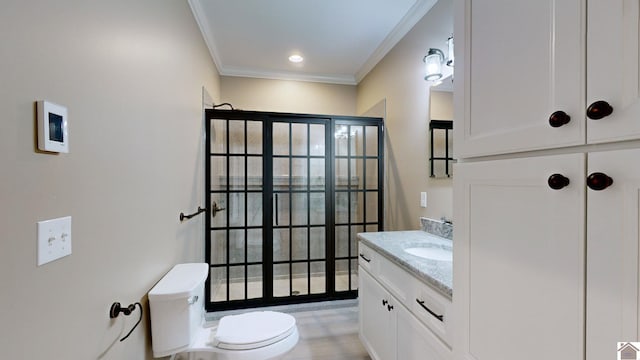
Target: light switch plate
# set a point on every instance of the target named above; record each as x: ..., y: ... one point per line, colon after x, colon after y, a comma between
x: 423, y: 199
x: 54, y: 239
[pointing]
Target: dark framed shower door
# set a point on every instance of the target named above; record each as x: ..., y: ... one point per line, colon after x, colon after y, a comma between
x: 287, y: 194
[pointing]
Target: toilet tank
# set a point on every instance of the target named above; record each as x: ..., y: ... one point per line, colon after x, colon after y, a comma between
x: 177, y: 308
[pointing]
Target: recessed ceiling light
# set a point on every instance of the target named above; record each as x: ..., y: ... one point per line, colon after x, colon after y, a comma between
x: 295, y: 58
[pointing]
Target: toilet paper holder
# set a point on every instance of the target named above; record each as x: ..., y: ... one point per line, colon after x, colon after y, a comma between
x: 116, y: 309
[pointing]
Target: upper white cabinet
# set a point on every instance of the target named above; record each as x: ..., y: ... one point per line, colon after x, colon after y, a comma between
x: 521, y: 66
x: 612, y: 68
x: 518, y: 62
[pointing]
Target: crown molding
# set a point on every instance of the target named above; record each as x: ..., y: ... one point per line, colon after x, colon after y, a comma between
x: 411, y: 18
x: 419, y: 9
x: 203, y: 24
x: 283, y: 75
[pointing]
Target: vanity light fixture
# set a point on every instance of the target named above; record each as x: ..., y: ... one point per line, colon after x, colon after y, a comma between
x: 433, y: 64
x: 435, y: 59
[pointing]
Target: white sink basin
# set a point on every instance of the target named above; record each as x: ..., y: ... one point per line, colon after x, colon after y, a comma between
x: 431, y: 253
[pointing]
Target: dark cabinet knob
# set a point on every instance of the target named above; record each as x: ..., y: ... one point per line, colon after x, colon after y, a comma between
x: 558, y: 119
x: 598, y: 110
x: 384, y: 302
x: 389, y: 307
x: 557, y: 181
x: 598, y: 181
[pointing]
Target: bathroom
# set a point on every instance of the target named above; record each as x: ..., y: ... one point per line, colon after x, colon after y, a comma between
x: 132, y: 76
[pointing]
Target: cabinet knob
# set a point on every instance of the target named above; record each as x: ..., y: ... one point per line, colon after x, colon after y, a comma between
x: 557, y: 181
x: 389, y: 307
x: 558, y: 119
x: 384, y: 302
x: 598, y: 110
x: 599, y: 181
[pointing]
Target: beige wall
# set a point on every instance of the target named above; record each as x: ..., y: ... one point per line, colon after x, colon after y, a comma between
x: 288, y: 96
x: 131, y: 74
x: 441, y: 105
x: 398, y: 78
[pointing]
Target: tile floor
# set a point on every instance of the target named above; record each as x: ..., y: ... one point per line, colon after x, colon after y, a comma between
x: 330, y: 334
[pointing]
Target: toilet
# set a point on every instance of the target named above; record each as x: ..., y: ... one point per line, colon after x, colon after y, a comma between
x: 177, y: 322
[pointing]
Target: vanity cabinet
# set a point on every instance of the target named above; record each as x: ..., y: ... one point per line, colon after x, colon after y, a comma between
x: 522, y: 256
x: 521, y: 66
x: 378, y: 321
x: 391, y: 327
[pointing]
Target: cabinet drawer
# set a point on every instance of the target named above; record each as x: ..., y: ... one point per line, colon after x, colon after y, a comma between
x: 394, y: 278
x: 367, y: 258
x: 432, y: 309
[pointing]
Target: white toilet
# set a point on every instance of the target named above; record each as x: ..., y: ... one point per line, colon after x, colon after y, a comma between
x: 177, y: 322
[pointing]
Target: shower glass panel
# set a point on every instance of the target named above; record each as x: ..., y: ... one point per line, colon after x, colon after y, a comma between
x: 300, y: 195
x: 287, y: 195
x: 357, y: 201
x: 235, y: 221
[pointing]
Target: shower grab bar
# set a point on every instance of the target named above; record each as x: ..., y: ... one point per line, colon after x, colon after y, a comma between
x: 184, y: 217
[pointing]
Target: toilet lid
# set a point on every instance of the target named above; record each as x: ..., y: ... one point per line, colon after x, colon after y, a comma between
x: 253, y: 330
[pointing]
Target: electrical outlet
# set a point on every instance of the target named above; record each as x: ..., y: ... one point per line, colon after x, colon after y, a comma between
x: 54, y: 239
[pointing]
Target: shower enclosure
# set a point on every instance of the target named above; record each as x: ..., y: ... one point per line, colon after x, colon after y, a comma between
x: 287, y: 194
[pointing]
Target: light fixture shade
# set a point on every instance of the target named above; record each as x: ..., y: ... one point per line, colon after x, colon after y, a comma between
x: 433, y: 64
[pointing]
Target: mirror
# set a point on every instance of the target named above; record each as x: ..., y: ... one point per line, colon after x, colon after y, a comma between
x: 441, y: 129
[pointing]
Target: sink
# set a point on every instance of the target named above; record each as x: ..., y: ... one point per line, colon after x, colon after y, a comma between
x: 431, y: 253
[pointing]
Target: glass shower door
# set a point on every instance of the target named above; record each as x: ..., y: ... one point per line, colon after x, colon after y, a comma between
x: 299, y: 192
x: 287, y: 195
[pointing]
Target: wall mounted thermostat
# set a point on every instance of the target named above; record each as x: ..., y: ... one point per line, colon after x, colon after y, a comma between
x: 53, y: 133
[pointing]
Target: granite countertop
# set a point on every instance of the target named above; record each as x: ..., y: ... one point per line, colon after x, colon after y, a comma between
x: 391, y: 244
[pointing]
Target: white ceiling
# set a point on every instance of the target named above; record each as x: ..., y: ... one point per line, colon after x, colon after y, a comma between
x: 340, y: 40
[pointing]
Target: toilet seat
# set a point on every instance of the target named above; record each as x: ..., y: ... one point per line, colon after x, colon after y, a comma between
x: 252, y: 330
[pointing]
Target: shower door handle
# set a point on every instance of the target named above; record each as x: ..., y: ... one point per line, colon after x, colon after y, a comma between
x: 215, y: 209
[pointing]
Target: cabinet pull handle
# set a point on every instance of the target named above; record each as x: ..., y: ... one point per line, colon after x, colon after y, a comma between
x: 599, y: 181
x: 558, y: 119
x: 599, y: 110
x: 421, y: 303
x: 557, y: 181
x: 365, y: 259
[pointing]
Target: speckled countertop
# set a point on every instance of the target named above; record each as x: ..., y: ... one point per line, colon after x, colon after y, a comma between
x: 391, y: 244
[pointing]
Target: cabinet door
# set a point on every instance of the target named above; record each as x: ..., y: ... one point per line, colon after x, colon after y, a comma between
x: 416, y: 342
x: 612, y: 253
x: 519, y: 259
x: 612, y: 68
x: 377, y: 321
x: 518, y: 62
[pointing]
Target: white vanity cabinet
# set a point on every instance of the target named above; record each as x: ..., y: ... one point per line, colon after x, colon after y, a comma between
x: 378, y: 324
x: 391, y: 327
x: 521, y: 66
